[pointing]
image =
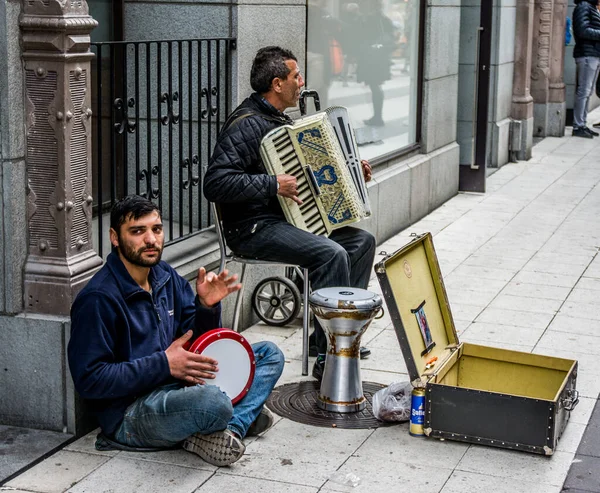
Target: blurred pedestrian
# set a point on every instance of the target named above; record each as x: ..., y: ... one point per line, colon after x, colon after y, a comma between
x: 375, y: 57
x: 324, y: 57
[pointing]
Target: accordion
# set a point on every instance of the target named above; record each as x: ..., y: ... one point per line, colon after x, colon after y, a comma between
x: 320, y: 152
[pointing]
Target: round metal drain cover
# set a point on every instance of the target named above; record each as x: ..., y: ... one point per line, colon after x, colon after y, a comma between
x: 298, y: 402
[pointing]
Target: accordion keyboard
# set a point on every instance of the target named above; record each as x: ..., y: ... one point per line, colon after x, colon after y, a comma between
x: 283, y: 159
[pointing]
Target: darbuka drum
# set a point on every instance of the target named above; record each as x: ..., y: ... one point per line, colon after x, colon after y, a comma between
x: 344, y: 314
x: 236, y: 361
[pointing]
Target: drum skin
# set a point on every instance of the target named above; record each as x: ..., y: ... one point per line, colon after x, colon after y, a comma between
x: 235, y: 357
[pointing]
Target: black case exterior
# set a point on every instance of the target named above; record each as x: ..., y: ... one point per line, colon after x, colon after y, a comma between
x: 499, y: 420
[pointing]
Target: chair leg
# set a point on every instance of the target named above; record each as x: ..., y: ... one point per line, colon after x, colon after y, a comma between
x: 305, y: 325
x: 238, y: 301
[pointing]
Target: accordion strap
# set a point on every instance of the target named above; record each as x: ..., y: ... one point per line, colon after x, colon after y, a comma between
x: 237, y: 116
x: 242, y: 113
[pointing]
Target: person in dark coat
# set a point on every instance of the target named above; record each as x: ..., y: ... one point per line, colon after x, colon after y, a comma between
x: 597, y: 124
x: 253, y: 220
x: 586, y: 29
x: 374, y: 57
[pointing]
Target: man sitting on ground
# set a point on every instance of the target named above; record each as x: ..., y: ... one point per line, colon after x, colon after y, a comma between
x: 129, y: 326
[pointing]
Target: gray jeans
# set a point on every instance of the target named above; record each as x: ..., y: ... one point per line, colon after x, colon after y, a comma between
x: 587, y: 72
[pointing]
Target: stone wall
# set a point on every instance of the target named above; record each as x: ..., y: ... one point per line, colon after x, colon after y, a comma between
x: 12, y: 161
x: 502, y: 68
x: 469, y: 21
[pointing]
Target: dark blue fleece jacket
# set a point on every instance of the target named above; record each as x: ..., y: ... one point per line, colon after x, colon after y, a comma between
x: 119, y: 334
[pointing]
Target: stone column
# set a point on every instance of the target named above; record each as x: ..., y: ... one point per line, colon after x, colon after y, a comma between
x: 522, y: 102
x: 55, y: 41
x: 557, y: 106
x: 540, y: 69
x: 13, y: 231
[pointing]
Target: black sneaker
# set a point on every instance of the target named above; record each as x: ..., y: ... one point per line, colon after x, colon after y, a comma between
x: 595, y: 134
x: 261, y: 424
x: 582, y: 132
x: 319, y: 367
x: 364, y: 352
x: 596, y: 125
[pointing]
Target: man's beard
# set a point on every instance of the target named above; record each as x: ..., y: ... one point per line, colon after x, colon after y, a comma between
x: 135, y: 256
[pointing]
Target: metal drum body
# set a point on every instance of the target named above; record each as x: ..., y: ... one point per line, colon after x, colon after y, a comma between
x: 344, y: 314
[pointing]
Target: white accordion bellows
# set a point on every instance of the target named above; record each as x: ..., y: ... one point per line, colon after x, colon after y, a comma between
x: 309, y: 150
x: 338, y: 117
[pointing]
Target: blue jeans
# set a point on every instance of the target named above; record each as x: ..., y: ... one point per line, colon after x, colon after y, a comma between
x: 343, y: 259
x: 587, y: 73
x: 171, y: 413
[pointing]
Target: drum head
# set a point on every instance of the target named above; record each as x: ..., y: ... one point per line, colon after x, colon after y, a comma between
x: 235, y: 357
x: 345, y: 298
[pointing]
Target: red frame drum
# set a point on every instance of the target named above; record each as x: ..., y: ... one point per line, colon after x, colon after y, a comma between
x: 236, y: 361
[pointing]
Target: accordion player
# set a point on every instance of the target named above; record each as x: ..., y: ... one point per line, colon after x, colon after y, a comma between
x: 323, y: 158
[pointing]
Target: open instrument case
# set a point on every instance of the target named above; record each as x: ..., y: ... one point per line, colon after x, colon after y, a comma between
x: 476, y: 394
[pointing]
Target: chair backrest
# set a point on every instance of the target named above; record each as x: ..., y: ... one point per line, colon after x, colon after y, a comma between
x: 220, y: 236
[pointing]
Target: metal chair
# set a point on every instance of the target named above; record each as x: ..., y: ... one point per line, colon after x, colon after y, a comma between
x: 228, y: 256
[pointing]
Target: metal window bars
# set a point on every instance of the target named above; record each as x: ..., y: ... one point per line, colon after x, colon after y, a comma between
x: 158, y: 106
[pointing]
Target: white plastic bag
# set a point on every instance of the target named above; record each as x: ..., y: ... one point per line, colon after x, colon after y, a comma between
x: 393, y: 402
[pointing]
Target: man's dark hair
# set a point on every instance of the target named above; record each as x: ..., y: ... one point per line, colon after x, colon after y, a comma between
x: 269, y: 63
x: 130, y: 207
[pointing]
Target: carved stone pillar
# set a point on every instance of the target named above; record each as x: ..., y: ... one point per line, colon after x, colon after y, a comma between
x: 56, y: 56
x: 522, y: 102
x: 540, y: 69
x: 557, y: 106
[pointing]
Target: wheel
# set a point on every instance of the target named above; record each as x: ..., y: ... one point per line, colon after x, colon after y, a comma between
x: 276, y: 301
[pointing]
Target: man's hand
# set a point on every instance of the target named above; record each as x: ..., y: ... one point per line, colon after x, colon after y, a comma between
x: 187, y: 366
x: 288, y: 187
x: 366, y: 168
x: 212, y: 288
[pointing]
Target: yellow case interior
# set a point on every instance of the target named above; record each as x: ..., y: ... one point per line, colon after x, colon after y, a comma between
x: 505, y: 371
x: 414, y: 276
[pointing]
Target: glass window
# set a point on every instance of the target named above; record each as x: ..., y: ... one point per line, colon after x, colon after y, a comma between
x: 363, y: 54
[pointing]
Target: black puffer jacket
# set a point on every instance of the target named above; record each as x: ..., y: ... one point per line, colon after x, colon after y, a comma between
x: 236, y: 178
x: 586, y: 28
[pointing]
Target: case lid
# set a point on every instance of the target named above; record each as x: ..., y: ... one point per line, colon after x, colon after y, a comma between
x: 413, y: 289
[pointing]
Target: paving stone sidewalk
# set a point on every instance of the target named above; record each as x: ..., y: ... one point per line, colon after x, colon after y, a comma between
x: 522, y: 271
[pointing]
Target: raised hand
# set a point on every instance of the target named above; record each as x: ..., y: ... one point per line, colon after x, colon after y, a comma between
x: 288, y: 187
x: 366, y: 168
x: 187, y: 366
x: 212, y: 288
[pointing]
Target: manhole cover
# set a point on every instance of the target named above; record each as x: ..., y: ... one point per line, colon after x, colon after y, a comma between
x: 298, y: 402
